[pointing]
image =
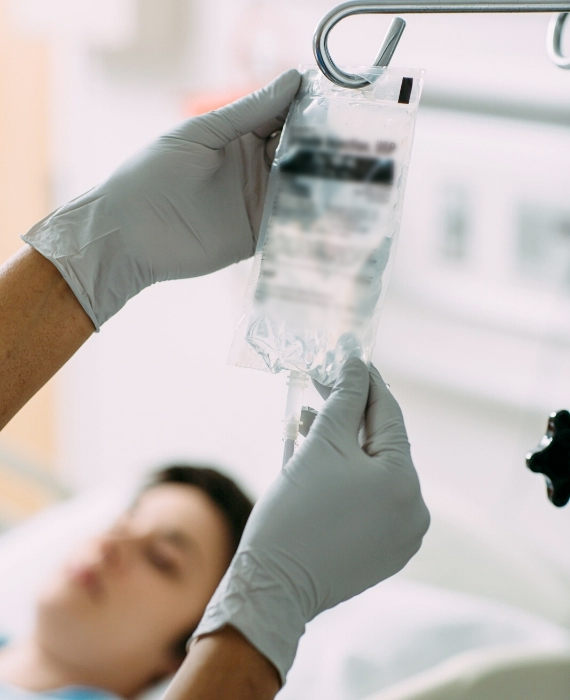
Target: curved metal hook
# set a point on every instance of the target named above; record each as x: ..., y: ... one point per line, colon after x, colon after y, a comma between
x: 359, y: 7
x: 554, y: 41
x: 330, y: 69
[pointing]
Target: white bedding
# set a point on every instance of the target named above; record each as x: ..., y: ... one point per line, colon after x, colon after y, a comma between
x: 401, y: 628
x: 389, y: 633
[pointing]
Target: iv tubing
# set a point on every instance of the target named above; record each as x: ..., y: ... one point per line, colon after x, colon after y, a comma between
x: 297, y: 384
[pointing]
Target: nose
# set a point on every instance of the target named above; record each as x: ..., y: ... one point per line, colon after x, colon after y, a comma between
x: 115, y: 550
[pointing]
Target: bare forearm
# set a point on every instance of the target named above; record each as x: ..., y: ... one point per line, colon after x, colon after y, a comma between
x: 41, y: 326
x: 224, y: 666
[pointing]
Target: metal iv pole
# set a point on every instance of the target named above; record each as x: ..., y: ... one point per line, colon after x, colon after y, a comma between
x: 552, y: 456
x: 360, y: 7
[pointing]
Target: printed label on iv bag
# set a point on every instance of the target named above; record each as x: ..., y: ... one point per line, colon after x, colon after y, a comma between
x: 332, y: 213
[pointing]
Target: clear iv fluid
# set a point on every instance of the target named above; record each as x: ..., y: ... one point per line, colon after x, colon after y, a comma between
x: 332, y: 214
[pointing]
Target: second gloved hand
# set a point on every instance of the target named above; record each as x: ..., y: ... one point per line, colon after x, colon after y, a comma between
x: 188, y: 204
x: 340, y: 517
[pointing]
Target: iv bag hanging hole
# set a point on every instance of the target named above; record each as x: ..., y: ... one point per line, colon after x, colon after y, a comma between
x: 554, y: 41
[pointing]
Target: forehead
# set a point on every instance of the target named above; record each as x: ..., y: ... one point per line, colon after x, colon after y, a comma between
x: 178, y: 505
x: 183, y: 512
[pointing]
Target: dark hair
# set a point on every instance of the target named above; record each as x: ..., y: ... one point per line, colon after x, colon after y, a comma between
x: 230, y: 500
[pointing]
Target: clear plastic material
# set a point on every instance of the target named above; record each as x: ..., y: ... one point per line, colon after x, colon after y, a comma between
x: 331, y: 218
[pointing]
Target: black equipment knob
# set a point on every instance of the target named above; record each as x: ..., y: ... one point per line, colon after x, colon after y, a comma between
x: 552, y: 458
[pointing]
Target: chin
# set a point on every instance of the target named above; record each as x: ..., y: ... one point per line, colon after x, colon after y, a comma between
x: 63, y: 609
x: 63, y: 625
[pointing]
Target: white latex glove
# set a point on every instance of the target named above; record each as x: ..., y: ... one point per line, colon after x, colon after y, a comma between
x: 188, y: 204
x: 339, y: 518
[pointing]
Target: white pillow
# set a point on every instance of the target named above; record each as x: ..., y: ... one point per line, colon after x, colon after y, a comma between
x: 32, y: 551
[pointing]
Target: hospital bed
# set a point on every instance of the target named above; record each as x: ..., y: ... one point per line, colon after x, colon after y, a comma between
x: 469, y: 559
x: 508, y: 674
x: 463, y: 553
x: 477, y: 615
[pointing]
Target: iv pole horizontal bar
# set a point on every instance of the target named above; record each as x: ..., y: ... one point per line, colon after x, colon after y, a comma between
x: 359, y: 7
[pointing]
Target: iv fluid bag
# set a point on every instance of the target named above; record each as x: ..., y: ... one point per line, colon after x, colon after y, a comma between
x: 331, y: 217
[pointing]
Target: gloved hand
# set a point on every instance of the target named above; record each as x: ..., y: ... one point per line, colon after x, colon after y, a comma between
x: 188, y: 204
x: 339, y: 518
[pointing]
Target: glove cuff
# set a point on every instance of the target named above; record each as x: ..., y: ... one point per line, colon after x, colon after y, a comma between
x: 255, y: 602
x: 66, y: 271
x: 101, y: 273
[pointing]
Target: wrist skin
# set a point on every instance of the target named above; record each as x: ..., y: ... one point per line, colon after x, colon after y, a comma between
x: 224, y: 666
x: 42, y: 325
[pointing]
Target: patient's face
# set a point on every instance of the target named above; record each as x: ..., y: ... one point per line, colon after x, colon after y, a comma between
x: 128, y: 594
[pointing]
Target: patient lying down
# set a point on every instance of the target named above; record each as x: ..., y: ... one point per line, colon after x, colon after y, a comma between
x: 117, y: 616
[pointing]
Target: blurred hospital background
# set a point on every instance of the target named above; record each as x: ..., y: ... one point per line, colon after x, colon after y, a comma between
x: 475, y: 335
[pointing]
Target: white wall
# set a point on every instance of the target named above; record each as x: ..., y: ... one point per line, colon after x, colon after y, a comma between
x: 475, y: 384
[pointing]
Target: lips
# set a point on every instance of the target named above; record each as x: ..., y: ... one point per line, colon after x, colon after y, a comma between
x: 88, y: 578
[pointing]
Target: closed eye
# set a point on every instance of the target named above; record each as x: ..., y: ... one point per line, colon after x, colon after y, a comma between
x: 161, y: 561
